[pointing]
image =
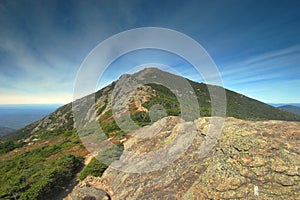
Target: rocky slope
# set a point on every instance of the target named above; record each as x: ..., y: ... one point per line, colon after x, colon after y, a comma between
x: 248, y: 160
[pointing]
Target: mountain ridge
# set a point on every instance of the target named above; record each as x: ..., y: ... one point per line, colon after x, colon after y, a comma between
x: 53, y: 141
x: 238, y: 105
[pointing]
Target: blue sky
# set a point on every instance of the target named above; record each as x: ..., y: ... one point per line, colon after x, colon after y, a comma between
x: 255, y: 44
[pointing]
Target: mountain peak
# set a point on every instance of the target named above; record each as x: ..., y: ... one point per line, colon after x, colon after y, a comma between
x: 144, y: 71
x: 150, y: 69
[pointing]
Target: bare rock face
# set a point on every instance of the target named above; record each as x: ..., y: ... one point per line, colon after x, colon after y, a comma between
x: 248, y: 160
x: 89, y: 189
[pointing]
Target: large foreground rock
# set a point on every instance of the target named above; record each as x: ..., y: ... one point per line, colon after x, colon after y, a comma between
x: 248, y: 160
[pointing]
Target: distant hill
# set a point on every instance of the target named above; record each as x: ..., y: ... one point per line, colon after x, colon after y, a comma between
x: 284, y: 104
x: 5, y: 131
x: 291, y: 109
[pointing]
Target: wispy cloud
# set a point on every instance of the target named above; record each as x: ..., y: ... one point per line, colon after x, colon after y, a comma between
x: 267, y: 75
x: 42, y: 44
x: 252, y: 62
x: 278, y: 64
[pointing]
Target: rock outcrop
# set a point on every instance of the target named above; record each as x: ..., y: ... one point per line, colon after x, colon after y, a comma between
x: 247, y: 160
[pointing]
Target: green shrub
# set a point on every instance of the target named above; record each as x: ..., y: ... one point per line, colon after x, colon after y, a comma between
x: 9, y: 145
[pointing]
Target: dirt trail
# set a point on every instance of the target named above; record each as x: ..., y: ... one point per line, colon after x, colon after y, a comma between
x: 88, y: 159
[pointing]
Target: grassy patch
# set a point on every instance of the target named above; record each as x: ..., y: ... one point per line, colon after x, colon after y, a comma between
x: 40, y: 171
x: 94, y: 168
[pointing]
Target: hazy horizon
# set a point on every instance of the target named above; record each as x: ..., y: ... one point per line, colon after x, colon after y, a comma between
x: 19, y: 115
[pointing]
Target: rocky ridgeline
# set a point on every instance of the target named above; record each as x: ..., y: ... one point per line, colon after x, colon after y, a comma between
x: 248, y: 160
x: 132, y: 91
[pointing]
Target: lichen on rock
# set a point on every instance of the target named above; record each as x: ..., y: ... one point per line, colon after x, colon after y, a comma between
x: 250, y: 160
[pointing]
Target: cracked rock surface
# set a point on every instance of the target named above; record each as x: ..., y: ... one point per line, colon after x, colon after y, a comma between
x: 248, y: 160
